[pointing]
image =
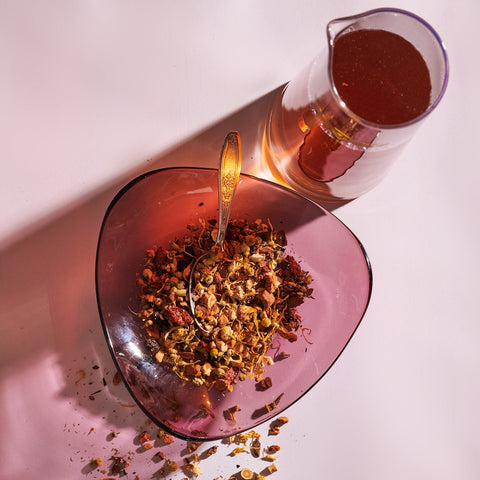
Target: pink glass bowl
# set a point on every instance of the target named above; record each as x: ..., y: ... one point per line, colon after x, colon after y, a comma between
x: 155, y: 208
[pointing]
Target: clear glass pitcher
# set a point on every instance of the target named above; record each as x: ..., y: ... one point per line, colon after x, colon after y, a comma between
x: 330, y: 137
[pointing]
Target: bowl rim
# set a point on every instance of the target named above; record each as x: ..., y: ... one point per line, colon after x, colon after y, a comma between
x: 109, y: 209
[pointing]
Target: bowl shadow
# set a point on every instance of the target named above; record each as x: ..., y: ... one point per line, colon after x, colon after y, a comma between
x: 47, y: 292
x: 47, y: 285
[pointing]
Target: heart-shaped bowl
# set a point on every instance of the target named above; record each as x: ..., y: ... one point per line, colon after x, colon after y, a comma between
x: 153, y: 210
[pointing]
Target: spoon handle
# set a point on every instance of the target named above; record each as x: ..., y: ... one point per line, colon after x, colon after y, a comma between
x: 229, y: 172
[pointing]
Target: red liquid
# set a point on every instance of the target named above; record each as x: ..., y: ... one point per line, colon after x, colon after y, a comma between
x: 383, y: 79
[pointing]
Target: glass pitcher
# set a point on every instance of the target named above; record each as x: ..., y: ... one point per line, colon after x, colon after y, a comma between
x: 334, y: 131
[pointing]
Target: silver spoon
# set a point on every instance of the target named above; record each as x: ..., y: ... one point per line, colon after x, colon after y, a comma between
x: 228, y: 175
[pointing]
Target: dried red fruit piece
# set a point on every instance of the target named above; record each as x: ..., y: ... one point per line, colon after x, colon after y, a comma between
x: 265, y: 383
x: 119, y: 465
x: 293, y: 264
x: 178, y: 316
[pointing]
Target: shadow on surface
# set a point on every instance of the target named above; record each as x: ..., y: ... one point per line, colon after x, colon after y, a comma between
x: 47, y: 291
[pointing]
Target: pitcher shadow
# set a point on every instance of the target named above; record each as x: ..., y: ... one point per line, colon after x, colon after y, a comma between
x: 48, y: 278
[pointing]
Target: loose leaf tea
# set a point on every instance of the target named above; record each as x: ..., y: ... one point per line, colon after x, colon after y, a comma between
x: 245, y: 294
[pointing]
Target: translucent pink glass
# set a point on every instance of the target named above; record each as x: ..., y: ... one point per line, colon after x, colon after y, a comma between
x: 156, y: 207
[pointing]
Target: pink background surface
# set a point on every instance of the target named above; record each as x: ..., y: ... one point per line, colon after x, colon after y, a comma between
x: 95, y: 93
